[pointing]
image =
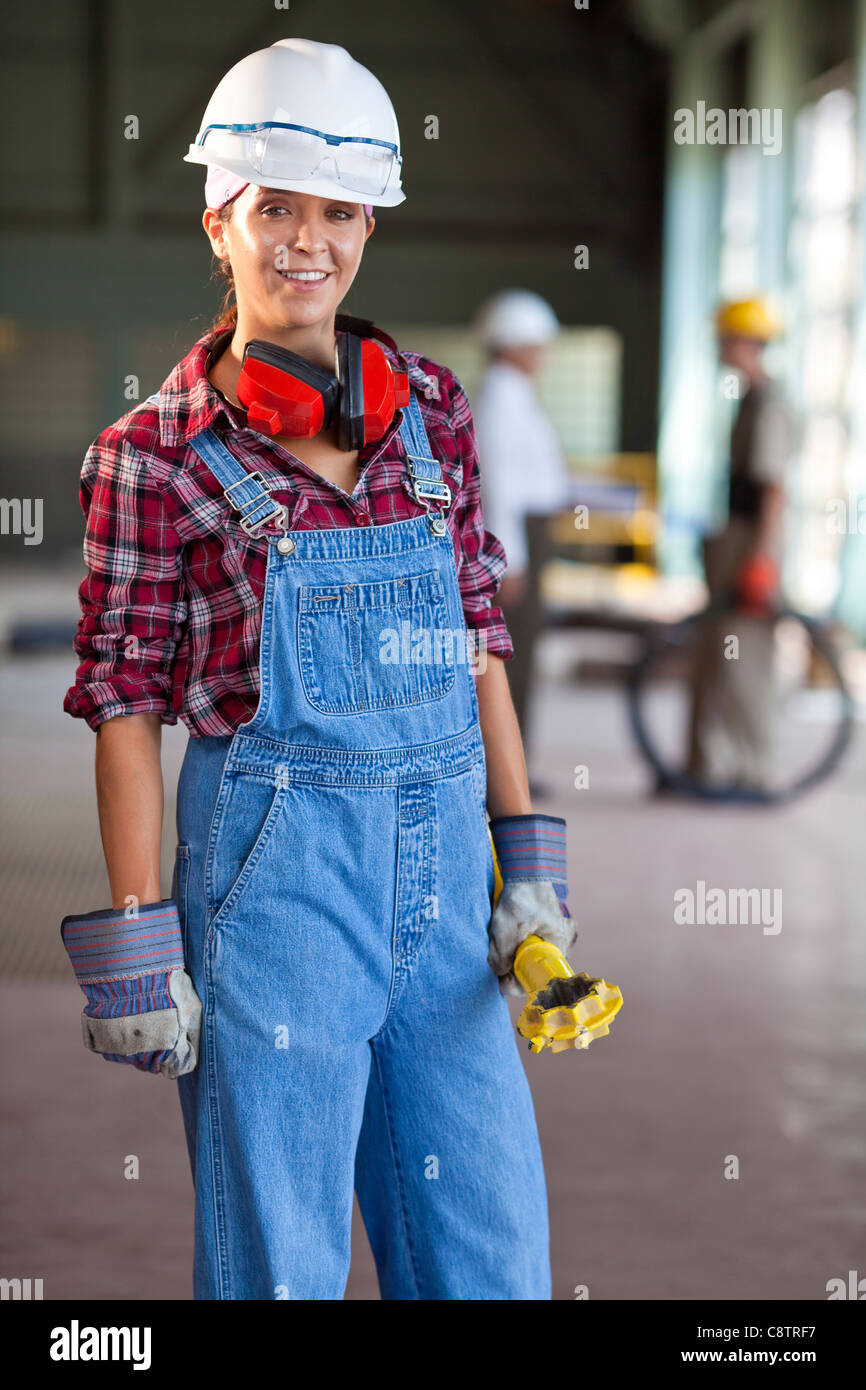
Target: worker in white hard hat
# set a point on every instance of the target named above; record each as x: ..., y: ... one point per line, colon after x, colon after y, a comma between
x: 291, y: 530
x: 732, y: 707
x: 523, y: 467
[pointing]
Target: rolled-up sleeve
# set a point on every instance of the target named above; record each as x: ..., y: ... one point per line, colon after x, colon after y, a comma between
x: 133, y: 606
x: 482, y: 561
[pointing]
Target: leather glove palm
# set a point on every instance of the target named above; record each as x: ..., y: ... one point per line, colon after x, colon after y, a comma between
x: 532, y: 861
x: 142, y: 1008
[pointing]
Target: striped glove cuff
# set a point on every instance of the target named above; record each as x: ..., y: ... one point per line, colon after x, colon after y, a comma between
x: 108, y: 945
x: 533, y: 847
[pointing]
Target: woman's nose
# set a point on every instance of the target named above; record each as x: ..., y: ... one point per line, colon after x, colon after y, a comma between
x: 308, y: 236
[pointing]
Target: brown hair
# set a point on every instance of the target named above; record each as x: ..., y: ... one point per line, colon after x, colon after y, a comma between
x: 221, y: 271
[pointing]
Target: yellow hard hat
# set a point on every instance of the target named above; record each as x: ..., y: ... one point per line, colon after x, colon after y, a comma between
x: 748, y: 318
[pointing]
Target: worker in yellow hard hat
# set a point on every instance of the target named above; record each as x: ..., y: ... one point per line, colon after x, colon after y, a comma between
x: 732, y: 708
x: 750, y: 320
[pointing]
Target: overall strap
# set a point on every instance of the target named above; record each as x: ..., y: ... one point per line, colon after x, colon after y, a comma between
x: 248, y: 492
x: 425, y: 472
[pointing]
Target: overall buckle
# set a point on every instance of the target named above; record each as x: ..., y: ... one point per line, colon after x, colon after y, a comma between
x: 436, y: 489
x: 437, y: 492
x: 278, y: 513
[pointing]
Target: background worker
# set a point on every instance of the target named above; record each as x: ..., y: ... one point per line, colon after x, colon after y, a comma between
x: 732, y: 709
x: 523, y: 466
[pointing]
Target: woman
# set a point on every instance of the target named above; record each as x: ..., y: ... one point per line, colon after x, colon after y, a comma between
x: 279, y: 587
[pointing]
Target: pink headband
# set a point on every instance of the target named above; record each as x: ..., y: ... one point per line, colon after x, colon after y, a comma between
x: 221, y: 186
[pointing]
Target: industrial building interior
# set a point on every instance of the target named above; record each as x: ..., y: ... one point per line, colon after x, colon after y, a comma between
x: 541, y: 152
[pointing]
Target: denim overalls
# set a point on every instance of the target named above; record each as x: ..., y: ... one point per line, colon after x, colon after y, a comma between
x: 334, y: 880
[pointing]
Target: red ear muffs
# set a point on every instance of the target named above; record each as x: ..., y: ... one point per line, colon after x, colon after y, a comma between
x: 370, y: 391
x: 285, y: 394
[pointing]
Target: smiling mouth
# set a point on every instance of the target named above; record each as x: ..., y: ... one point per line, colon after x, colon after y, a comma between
x: 305, y: 277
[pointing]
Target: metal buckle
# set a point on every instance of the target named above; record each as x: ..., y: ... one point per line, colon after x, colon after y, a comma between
x: 250, y: 477
x: 435, y: 520
x: 255, y: 476
x: 443, y: 496
x: 437, y: 491
x: 279, y: 512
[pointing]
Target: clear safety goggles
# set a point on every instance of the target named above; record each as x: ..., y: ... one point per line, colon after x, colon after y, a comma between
x: 278, y: 150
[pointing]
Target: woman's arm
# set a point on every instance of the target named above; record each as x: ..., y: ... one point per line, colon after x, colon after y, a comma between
x: 482, y: 564
x: 142, y: 1008
x: 129, y: 795
x: 133, y: 612
x: 507, y: 783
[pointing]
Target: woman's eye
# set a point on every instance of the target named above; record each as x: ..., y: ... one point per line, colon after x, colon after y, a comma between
x: 342, y: 214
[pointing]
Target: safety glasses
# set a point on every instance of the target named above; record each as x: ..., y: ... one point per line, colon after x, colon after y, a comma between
x: 279, y: 150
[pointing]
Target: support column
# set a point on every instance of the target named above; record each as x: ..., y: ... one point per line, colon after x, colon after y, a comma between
x: 690, y: 276
x: 851, y: 606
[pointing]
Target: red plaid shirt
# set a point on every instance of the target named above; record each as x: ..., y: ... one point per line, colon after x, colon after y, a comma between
x: 171, y: 602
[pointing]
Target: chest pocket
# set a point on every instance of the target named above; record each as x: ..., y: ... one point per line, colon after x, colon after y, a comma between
x: 379, y: 645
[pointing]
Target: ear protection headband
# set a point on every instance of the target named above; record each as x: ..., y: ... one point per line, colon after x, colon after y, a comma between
x: 285, y: 394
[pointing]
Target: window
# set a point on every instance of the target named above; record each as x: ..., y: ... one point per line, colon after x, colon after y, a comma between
x: 580, y: 386
x: 823, y: 251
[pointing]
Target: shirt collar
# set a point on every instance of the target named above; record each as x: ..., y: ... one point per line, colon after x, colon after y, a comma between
x: 190, y: 403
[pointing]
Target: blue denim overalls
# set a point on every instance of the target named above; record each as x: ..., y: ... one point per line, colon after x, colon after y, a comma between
x: 334, y: 879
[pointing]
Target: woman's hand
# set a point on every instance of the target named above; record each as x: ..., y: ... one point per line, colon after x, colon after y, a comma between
x: 532, y: 862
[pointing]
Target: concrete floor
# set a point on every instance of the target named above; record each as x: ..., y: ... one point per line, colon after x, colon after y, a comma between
x: 731, y: 1042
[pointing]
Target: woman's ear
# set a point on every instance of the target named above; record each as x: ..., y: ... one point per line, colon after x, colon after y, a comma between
x: 371, y: 222
x: 215, y: 231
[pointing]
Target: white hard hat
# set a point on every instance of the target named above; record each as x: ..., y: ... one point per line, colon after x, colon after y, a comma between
x: 516, y: 318
x: 304, y: 116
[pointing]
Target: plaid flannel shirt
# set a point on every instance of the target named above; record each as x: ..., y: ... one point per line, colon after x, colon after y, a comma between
x: 171, y: 601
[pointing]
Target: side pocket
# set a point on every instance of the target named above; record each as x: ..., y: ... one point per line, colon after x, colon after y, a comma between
x: 479, y: 783
x: 479, y: 769
x: 179, y: 886
x: 250, y: 808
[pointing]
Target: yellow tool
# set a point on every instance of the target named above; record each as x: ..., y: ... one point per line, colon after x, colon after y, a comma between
x: 563, y: 1010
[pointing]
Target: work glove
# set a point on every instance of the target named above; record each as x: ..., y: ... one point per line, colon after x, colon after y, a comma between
x: 757, y: 583
x: 142, y: 1007
x: 531, y: 854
